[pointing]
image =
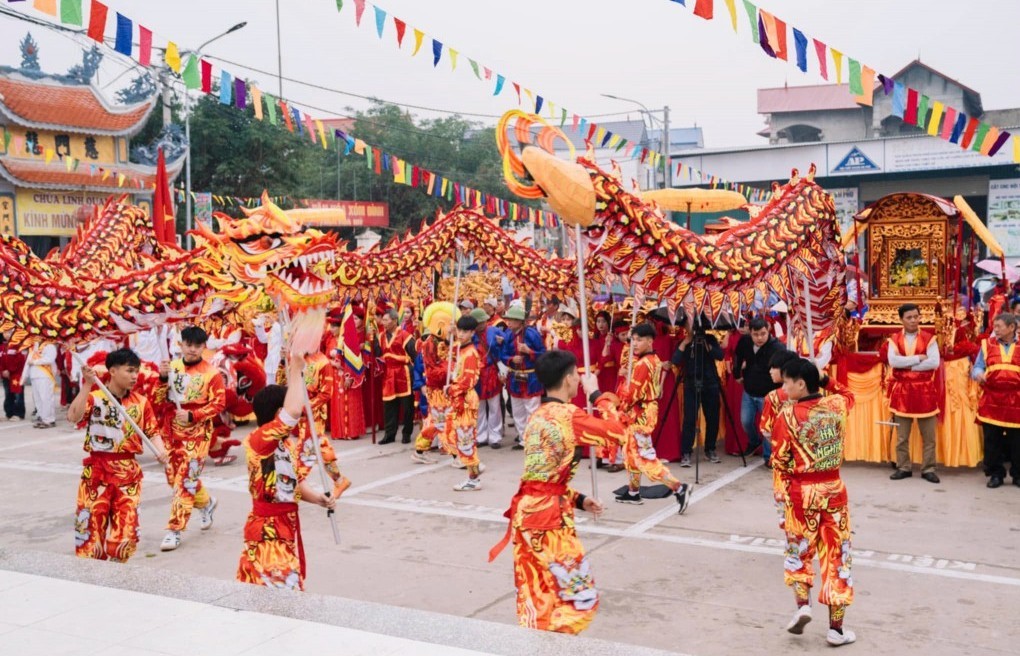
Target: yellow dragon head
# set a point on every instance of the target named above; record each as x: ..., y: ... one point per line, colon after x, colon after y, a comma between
x: 272, y: 250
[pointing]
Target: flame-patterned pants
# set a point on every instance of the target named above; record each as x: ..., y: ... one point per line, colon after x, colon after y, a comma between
x: 818, y: 522
x: 271, y: 554
x: 106, y: 518
x: 460, y: 433
x: 184, y: 466
x: 435, y: 423
x: 639, y: 458
x: 555, y: 588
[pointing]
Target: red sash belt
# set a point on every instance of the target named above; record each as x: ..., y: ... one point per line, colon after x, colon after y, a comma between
x: 815, y: 476
x: 527, y: 488
x: 282, y: 509
x: 98, y: 460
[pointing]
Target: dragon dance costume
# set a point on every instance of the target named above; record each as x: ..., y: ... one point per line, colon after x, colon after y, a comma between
x: 555, y: 587
x: 198, y: 388
x: 274, y: 554
x: 461, y: 429
x: 106, y: 517
x: 639, y: 404
x: 807, y: 451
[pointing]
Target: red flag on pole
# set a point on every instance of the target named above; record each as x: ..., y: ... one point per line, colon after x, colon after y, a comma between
x: 704, y: 8
x: 164, y: 222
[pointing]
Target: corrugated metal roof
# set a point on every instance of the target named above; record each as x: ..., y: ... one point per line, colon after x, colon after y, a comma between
x: 805, y: 99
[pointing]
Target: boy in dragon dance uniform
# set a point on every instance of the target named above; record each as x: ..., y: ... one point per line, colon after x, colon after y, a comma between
x: 555, y: 588
x: 193, y: 392
x: 639, y: 401
x: 319, y: 381
x: 274, y: 554
x: 807, y: 450
x: 461, y: 428
x: 437, y: 321
x: 106, y: 518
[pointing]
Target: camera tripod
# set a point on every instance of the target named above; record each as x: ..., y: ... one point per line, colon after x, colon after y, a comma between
x: 699, y: 345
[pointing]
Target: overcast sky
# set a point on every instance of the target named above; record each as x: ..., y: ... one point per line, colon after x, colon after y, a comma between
x: 569, y: 51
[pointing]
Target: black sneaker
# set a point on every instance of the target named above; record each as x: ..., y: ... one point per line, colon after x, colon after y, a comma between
x: 495, y: 445
x: 627, y: 497
x: 518, y: 446
x: 683, y: 498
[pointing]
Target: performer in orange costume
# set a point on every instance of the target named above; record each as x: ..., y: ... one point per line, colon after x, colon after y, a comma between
x: 319, y: 382
x: 639, y: 403
x: 807, y: 450
x: 273, y: 553
x: 106, y: 519
x: 461, y: 428
x: 555, y: 588
x: 433, y: 353
x: 193, y: 393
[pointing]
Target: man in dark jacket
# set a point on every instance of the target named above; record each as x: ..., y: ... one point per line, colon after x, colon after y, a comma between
x: 751, y: 369
x: 698, y: 354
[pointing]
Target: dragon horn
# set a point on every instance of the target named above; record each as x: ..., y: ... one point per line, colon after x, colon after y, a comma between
x: 567, y: 186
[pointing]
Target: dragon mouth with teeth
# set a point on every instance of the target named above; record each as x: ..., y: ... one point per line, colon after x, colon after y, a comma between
x: 305, y: 280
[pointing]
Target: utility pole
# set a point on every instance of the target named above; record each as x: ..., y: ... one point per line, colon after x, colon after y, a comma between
x: 279, y: 51
x: 667, y: 173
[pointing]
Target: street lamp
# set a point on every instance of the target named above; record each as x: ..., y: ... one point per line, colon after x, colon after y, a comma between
x: 667, y: 180
x: 188, y: 219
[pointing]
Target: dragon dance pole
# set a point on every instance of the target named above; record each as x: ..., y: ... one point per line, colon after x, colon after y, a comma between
x: 809, y: 321
x: 453, y: 326
x: 630, y: 357
x: 583, y: 294
x: 327, y: 483
x: 120, y: 408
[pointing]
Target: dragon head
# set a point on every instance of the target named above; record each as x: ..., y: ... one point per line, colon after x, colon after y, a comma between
x: 293, y: 264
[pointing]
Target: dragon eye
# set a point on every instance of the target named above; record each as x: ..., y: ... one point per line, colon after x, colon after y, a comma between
x: 261, y: 245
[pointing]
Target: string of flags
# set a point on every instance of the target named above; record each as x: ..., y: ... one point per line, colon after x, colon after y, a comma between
x: 198, y: 74
x: 225, y: 200
x: 913, y: 107
x: 590, y: 130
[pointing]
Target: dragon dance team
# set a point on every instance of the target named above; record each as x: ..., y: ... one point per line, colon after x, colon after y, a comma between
x: 503, y: 369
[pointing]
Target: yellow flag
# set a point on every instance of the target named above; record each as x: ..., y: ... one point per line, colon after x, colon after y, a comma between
x: 49, y: 155
x: 106, y: 174
x: 731, y: 6
x: 615, y: 139
x: 453, y: 57
x: 599, y: 135
x: 172, y: 57
x: 936, y: 116
x: 68, y: 164
x: 418, y: 34
x: 322, y: 133
x: 120, y: 179
x: 256, y: 100
x: 1016, y: 149
x: 837, y: 61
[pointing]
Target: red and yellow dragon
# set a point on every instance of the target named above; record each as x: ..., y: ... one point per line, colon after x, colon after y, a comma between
x: 116, y: 279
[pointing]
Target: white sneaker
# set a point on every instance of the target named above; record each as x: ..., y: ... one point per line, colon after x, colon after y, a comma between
x: 422, y: 458
x: 470, y: 485
x: 205, y: 515
x: 171, y: 541
x: 457, y: 464
x: 685, y: 461
x: 800, y: 620
x: 837, y: 639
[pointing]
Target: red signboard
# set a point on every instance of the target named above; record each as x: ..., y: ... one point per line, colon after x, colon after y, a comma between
x: 344, y: 213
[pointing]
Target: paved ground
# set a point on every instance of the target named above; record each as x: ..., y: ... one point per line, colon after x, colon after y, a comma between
x: 937, y: 569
